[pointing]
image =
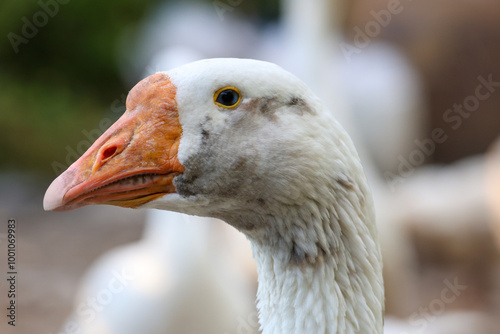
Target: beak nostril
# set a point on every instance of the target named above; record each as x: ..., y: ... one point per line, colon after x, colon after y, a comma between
x: 109, y: 152
x: 106, y: 152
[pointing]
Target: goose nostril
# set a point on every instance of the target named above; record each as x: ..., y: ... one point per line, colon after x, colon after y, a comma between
x: 109, y: 152
x: 106, y: 153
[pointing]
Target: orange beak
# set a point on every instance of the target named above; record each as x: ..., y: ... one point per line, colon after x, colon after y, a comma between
x: 134, y: 161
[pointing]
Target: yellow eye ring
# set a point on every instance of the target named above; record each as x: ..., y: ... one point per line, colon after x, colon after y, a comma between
x: 227, y: 97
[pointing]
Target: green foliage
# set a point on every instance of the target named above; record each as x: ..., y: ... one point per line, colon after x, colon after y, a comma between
x: 62, y: 81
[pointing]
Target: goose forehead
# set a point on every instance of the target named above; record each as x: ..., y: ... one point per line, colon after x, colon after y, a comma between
x: 254, y: 78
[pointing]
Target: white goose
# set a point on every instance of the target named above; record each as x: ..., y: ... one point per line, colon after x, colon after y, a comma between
x: 247, y: 142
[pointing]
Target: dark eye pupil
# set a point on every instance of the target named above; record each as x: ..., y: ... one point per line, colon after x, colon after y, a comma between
x: 228, y: 97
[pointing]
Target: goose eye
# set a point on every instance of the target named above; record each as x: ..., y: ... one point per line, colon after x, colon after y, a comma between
x: 227, y: 97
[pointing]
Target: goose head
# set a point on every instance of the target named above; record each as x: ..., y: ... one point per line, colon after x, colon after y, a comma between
x: 230, y: 138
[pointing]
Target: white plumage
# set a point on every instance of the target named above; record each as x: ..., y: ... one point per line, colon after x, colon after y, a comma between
x: 170, y: 283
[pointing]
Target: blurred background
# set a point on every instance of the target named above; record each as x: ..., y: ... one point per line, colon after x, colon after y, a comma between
x: 416, y: 83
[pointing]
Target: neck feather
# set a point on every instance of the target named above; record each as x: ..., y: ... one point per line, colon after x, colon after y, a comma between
x: 320, y: 269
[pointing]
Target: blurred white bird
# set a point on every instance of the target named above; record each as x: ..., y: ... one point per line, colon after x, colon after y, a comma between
x: 187, y: 275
